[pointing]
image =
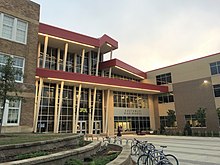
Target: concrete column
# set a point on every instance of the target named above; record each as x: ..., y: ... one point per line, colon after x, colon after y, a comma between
x: 107, y: 110
x: 93, y: 109
x: 82, y: 62
x: 35, y: 103
x: 75, y: 62
x: 58, y: 59
x: 103, y: 111
x: 65, y: 56
x: 153, y: 112
x: 38, y: 104
x: 74, y: 109
x: 56, y: 108
x: 110, y: 69
x: 97, y: 64
x: 78, y: 106
x: 90, y: 116
x: 90, y: 63
x: 38, y: 55
x: 60, y: 106
x: 45, y: 50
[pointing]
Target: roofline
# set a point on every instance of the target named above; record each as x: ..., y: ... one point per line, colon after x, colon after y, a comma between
x: 77, y: 37
x: 185, y: 62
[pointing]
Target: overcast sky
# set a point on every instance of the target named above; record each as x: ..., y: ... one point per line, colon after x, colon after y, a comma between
x: 151, y: 33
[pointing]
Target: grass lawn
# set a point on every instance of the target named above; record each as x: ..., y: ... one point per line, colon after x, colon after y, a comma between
x: 9, y: 138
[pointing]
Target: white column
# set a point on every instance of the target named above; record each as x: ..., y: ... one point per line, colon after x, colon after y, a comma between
x: 90, y: 63
x: 38, y: 104
x: 75, y: 62
x: 82, y: 62
x: 74, y: 109
x: 97, y: 64
x: 45, y: 50
x: 93, y: 108
x: 65, y: 56
x: 38, y: 55
x: 35, y: 104
x: 103, y: 111
x: 56, y: 108
x: 78, y: 104
x: 107, y: 109
x: 90, y: 116
x: 110, y: 69
x: 60, y: 106
x: 58, y: 59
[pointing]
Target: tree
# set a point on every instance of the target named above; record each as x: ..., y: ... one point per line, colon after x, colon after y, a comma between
x: 8, y: 87
x: 201, y: 116
x: 218, y: 113
x: 171, y: 118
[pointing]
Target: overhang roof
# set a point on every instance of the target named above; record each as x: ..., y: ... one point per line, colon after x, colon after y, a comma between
x: 121, y: 68
x: 99, y: 82
x: 105, y: 42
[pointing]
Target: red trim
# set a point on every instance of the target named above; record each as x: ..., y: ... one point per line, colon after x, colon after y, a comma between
x: 72, y: 36
x: 121, y: 64
x: 45, y: 73
x: 185, y: 62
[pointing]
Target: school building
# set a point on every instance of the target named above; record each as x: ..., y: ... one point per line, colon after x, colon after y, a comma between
x: 69, y: 87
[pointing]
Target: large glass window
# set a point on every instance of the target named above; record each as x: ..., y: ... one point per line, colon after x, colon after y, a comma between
x: 216, y: 90
x: 215, y: 68
x: 13, y: 28
x: 165, y: 98
x: 11, y: 113
x: 18, y: 65
x: 193, y: 121
x: 130, y: 100
x: 164, y: 79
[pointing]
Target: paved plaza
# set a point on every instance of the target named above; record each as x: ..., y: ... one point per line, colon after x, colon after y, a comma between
x: 188, y: 150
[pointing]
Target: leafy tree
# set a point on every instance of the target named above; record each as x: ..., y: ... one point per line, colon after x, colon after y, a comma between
x: 218, y: 112
x: 8, y: 87
x: 201, y: 116
x: 171, y: 118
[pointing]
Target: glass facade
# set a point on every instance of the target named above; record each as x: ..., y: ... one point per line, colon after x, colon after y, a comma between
x: 47, y: 108
x: 164, y: 79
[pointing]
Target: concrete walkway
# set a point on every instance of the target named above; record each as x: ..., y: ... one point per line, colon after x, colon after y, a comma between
x: 188, y: 150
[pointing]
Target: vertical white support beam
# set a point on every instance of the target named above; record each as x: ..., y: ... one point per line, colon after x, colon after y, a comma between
x: 75, y: 62
x: 93, y: 108
x: 97, y: 64
x: 38, y: 104
x: 107, y: 109
x: 35, y: 104
x: 56, y: 108
x: 78, y: 104
x: 74, y: 109
x: 110, y: 69
x: 65, y: 56
x: 60, y: 106
x: 82, y: 62
x: 58, y: 59
x: 45, y: 50
x: 38, y: 55
x: 90, y: 62
x: 90, y: 116
x: 103, y: 111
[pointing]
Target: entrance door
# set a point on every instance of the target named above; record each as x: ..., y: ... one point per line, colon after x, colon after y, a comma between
x: 82, y: 127
x: 97, y: 127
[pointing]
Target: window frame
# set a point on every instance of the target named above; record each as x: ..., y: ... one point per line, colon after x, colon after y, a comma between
x: 6, y: 112
x: 166, y: 77
x: 216, y: 90
x: 14, y: 28
x: 22, y: 77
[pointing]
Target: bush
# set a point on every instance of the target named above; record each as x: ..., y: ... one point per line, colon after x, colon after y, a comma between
x: 31, y: 155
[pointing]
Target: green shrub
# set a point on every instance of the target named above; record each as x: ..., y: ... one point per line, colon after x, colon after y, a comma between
x: 31, y: 155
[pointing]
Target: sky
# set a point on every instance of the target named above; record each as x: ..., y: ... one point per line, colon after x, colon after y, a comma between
x: 151, y: 33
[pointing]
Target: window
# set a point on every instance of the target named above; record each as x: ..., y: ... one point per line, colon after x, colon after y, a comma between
x: 164, y: 79
x: 165, y: 98
x: 18, y: 65
x: 217, y: 90
x: 12, y: 112
x: 12, y: 28
x: 215, y: 68
x: 193, y: 121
